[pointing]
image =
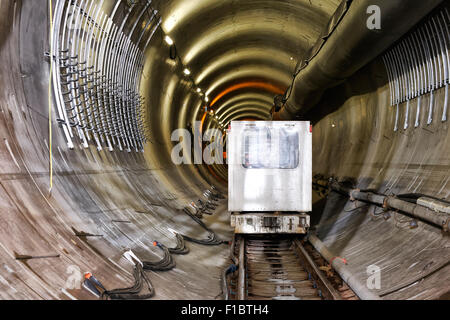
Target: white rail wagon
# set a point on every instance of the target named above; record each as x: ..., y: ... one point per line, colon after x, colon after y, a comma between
x: 269, y: 176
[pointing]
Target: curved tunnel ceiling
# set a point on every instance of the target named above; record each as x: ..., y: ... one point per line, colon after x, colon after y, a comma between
x: 233, y: 42
x: 237, y: 50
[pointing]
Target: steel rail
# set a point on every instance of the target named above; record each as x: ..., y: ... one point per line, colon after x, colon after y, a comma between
x: 93, y: 77
x: 127, y: 79
x: 395, y: 76
x: 132, y: 95
x: 401, y: 76
x: 138, y: 73
x: 103, y: 79
x: 438, y: 52
x: 66, y: 64
x: 114, y: 90
x: 74, y: 64
x: 108, y: 88
x: 279, y: 268
x: 423, y: 78
x: 406, y: 64
x: 98, y: 73
x: 98, y: 80
x: 418, y: 74
x: 127, y: 97
x: 137, y: 107
x: 327, y: 289
x: 150, y: 20
x: 122, y: 59
x: 390, y: 80
x: 108, y: 126
x: 90, y: 69
x: 145, y: 133
x: 117, y: 91
x: 421, y: 61
x: 242, y: 276
x: 83, y: 70
x: 57, y: 91
x: 435, y: 78
x: 413, y: 67
x: 150, y: 37
x: 443, y: 23
x: 113, y: 76
x: 82, y: 67
x: 63, y: 68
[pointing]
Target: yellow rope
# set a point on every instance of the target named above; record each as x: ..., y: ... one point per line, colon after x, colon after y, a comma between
x: 50, y: 96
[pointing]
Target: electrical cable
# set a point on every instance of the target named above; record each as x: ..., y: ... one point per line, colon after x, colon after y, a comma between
x: 132, y: 293
x: 165, y: 264
x: 211, y: 240
x: 181, y: 247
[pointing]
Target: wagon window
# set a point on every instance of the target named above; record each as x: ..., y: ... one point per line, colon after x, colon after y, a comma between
x: 270, y: 148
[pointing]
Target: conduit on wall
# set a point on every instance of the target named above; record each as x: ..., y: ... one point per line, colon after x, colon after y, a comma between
x: 98, y: 74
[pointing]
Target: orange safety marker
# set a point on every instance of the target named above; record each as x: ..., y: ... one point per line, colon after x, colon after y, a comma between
x: 342, y: 259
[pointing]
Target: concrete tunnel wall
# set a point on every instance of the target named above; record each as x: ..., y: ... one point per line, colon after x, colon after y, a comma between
x: 357, y: 143
x: 92, y: 188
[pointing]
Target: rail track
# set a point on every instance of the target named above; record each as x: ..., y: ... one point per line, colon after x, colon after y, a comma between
x: 279, y: 268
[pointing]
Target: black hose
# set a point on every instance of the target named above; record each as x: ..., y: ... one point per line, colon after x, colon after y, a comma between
x: 140, y: 277
x: 212, y: 239
x: 132, y: 293
x: 181, y: 247
x: 165, y: 264
x: 232, y: 268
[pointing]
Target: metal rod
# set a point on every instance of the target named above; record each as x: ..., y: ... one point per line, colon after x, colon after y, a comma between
x: 324, y: 284
x: 241, y: 280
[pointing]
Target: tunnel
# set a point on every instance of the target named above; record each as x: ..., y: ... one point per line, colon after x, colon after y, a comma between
x: 94, y: 91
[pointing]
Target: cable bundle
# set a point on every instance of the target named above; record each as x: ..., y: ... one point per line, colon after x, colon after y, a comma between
x: 140, y: 278
x: 132, y: 293
x: 165, y: 264
x: 181, y: 247
x: 212, y: 239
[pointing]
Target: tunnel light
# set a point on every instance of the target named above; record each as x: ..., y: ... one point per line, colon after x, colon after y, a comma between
x: 187, y: 71
x: 206, y: 99
x: 199, y: 90
x: 168, y: 40
x: 292, y: 58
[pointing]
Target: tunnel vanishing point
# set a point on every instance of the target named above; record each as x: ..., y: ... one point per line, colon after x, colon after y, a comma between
x: 91, y: 91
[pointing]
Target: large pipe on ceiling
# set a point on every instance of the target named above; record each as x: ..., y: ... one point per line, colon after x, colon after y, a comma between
x: 343, y: 49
